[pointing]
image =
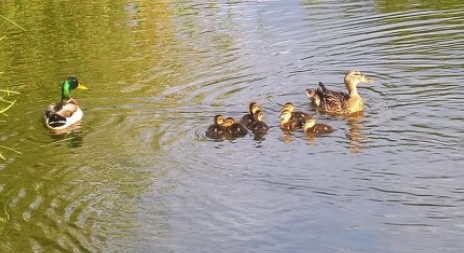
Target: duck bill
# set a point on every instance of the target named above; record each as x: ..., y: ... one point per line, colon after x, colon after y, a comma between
x: 81, y: 87
x: 367, y: 79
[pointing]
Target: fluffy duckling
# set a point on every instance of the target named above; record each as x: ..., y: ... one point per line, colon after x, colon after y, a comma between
x: 248, y: 119
x: 287, y: 122
x: 336, y: 102
x: 65, y: 113
x: 234, y: 130
x: 259, y: 127
x: 297, y: 117
x: 311, y: 128
x: 216, y: 130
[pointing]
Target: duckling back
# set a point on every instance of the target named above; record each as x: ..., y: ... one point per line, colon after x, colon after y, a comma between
x: 237, y: 130
x: 247, y: 120
x: 215, y: 132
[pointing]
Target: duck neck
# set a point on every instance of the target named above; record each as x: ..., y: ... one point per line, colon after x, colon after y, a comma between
x: 65, y: 92
x: 352, y: 90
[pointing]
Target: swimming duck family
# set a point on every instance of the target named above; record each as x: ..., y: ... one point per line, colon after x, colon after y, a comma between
x: 290, y: 120
x: 66, y: 112
x: 337, y: 102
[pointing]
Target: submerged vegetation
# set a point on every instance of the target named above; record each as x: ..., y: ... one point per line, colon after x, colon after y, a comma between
x: 5, y: 105
x: 5, y: 102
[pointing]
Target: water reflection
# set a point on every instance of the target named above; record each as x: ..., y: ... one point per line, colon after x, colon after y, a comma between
x: 72, y: 136
x: 355, y: 132
x: 287, y: 136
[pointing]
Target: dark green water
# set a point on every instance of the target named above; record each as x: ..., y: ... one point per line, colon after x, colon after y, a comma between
x: 140, y: 176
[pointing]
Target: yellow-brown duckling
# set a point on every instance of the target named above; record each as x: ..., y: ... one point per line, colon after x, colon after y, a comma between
x: 311, y: 128
x: 297, y: 118
x: 248, y: 119
x: 216, y: 130
x: 336, y: 102
x: 287, y: 122
x: 259, y: 127
x: 234, y: 130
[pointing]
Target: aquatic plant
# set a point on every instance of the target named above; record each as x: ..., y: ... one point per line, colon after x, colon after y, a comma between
x: 6, y: 104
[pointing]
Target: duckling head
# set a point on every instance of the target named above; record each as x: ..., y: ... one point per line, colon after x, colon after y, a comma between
x: 285, y: 117
x: 288, y: 107
x: 309, y: 124
x: 228, y: 122
x: 258, y: 115
x: 69, y: 84
x: 253, y: 107
x: 218, y: 120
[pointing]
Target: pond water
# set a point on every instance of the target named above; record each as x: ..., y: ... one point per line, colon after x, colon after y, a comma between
x: 139, y: 175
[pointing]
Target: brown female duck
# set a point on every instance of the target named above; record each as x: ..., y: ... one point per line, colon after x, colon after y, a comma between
x: 336, y: 102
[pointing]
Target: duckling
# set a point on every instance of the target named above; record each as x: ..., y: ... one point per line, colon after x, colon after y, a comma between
x: 66, y: 112
x: 234, y: 130
x: 248, y: 119
x: 311, y: 128
x: 297, y: 117
x: 336, y: 102
x: 216, y: 130
x: 287, y: 122
x: 259, y: 127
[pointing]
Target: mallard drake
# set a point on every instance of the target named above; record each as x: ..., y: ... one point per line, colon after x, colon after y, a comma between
x: 216, y: 130
x: 297, y: 118
x: 336, y: 102
x: 66, y: 112
x: 287, y: 122
x: 248, y: 119
x: 259, y: 127
x: 233, y: 129
x: 311, y: 128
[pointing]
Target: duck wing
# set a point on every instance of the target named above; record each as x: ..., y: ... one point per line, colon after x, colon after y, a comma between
x: 65, y: 109
x: 57, y: 115
x: 331, y: 100
x: 247, y: 120
x: 298, y: 119
x: 259, y: 127
x: 215, y: 132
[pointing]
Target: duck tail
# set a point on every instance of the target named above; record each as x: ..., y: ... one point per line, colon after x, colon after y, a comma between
x: 317, y: 95
x: 321, y: 89
x: 55, y: 120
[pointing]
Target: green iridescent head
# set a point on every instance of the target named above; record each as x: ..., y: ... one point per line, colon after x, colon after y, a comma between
x: 70, y: 84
